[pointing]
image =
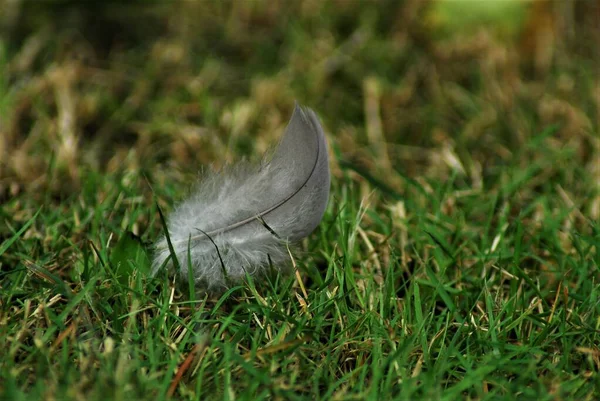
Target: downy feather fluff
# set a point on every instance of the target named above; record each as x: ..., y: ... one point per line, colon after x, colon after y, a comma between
x: 240, y: 220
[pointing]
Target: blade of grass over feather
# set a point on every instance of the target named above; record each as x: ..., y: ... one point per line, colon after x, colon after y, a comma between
x: 172, y: 253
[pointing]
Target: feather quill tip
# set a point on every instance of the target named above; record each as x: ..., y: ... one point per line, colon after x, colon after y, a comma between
x: 241, y: 219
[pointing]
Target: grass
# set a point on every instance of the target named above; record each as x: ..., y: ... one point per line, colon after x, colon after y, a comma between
x: 458, y: 257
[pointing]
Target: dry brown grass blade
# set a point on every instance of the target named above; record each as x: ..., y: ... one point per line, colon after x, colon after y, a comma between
x: 184, y: 368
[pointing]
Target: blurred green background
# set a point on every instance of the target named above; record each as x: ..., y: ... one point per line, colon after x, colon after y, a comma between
x: 419, y: 87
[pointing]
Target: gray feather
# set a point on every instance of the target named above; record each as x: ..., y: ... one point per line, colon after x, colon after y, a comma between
x: 242, y: 218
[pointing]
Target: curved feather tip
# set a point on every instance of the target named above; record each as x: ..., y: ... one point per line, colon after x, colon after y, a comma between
x: 240, y: 220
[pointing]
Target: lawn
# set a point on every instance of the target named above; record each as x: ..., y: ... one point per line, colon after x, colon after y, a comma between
x: 458, y: 257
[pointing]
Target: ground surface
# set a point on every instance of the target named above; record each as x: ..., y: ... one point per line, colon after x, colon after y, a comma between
x: 458, y: 257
